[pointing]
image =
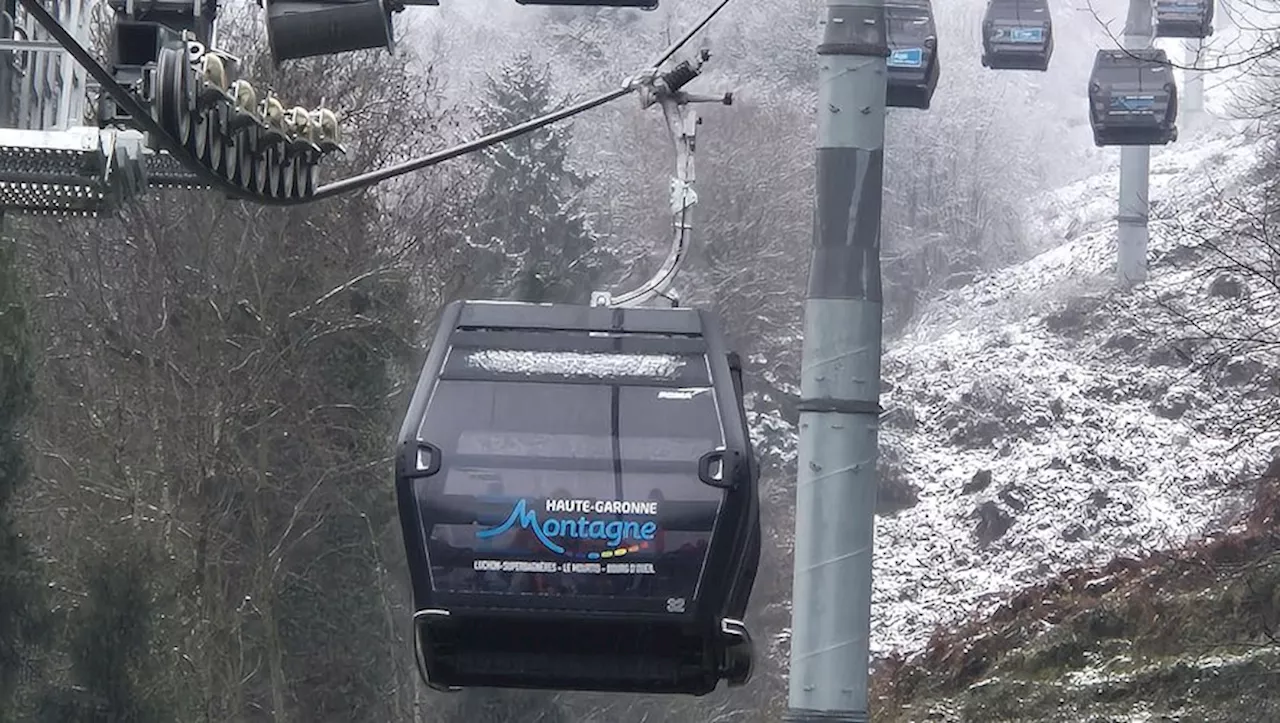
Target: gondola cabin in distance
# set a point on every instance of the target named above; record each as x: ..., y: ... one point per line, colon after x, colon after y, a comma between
x: 577, y: 494
x: 637, y: 4
x: 1017, y: 35
x: 913, y: 66
x: 1133, y: 100
x: 1184, y: 18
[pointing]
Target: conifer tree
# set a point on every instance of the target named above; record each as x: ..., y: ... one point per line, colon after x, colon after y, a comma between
x: 21, y: 604
x: 536, y: 241
x: 109, y: 646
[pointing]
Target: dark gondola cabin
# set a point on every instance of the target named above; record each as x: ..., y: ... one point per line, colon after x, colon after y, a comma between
x: 913, y: 66
x: 1017, y: 35
x: 577, y: 494
x: 638, y: 4
x: 1133, y: 100
x: 1184, y: 18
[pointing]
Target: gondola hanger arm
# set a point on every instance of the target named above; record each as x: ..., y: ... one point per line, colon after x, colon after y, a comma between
x: 682, y: 122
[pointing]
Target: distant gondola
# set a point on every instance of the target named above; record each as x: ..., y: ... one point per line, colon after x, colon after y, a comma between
x: 1184, y: 18
x: 638, y: 4
x: 913, y: 66
x: 1017, y: 35
x: 1133, y: 100
x: 577, y: 494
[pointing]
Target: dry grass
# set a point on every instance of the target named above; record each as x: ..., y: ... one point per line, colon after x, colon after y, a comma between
x: 1215, y: 594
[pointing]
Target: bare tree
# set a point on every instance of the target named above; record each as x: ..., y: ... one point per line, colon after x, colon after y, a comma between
x: 219, y: 380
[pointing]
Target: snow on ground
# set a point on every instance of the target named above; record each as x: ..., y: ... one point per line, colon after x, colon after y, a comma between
x: 1081, y: 466
x: 1078, y: 231
x: 1104, y: 675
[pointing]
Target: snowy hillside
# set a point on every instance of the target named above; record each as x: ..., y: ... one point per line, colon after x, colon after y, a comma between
x: 1044, y: 422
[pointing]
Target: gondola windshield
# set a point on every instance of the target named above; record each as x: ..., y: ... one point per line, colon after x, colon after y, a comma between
x: 1017, y: 21
x: 1132, y: 71
x: 908, y: 29
x: 570, y: 474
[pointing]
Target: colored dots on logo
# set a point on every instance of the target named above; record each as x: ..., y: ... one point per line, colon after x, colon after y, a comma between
x: 618, y: 552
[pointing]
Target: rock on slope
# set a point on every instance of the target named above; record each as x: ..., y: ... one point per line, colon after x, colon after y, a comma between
x: 1050, y: 423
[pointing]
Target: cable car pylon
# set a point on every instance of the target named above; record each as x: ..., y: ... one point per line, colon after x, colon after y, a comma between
x: 1134, y: 202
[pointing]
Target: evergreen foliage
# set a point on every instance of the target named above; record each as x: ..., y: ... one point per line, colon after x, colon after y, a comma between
x: 537, y: 242
x: 21, y: 602
x: 217, y: 385
x: 325, y: 627
x: 110, y: 643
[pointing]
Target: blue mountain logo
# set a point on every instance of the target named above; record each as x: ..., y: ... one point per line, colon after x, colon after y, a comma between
x: 614, y: 533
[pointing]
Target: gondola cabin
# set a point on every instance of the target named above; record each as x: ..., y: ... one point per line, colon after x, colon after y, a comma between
x: 1017, y: 35
x: 913, y: 66
x: 577, y: 494
x: 1133, y: 100
x: 1184, y: 18
x: 637, y: 4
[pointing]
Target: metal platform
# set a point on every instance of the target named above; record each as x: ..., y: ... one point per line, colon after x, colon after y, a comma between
x: 81, y: 171
x: 52, y: 172
x: 53, y: 158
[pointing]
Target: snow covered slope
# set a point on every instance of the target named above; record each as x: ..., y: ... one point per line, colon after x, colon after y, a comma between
x: 1045, y: 419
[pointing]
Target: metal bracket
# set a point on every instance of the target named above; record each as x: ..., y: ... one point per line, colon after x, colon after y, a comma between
x: 1130, y: 220
x: 682, y: 124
